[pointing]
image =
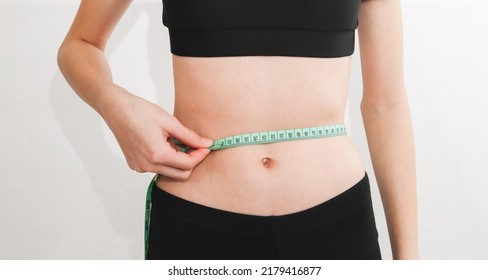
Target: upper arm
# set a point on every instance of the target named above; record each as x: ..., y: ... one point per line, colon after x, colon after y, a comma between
x: 380, y: 36
x: 96, y: 19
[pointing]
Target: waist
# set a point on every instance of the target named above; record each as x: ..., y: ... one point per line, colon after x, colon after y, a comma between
x: 220, y: 118
x: 272, y: 136
x: 274, y: 178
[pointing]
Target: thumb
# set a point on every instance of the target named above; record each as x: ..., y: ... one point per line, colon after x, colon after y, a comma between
x: 188, y: 136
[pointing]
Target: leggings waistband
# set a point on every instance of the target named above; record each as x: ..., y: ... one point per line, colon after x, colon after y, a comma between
x: 168, y: 204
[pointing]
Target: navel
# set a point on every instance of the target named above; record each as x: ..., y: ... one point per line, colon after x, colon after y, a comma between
x: 267, y: 162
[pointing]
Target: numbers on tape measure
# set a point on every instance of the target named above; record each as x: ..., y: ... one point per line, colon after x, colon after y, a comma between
x: 275, y: 136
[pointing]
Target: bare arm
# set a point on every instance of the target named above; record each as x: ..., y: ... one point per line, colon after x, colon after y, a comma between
x: 142, y: 128
x: 81, y: 56
x: 387, y: 121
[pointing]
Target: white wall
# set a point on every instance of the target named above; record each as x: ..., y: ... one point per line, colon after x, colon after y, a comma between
x: 65, y: 189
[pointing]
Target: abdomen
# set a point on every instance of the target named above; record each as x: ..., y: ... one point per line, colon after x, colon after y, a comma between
x: 219, y: 97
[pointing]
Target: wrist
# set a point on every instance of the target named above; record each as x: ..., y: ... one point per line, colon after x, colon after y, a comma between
x: 111, y: 99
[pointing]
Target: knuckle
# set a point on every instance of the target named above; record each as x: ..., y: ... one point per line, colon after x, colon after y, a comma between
x: 175, y: 119
x: 137, y: 169
x: 152, y: 157
x: 190, y: 135
x: 143, y: 167
x: 133, y: 166
x: 156, y: 156
x: 174, y: 122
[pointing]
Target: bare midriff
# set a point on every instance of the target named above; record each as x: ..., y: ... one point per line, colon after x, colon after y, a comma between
x: 223, y: 96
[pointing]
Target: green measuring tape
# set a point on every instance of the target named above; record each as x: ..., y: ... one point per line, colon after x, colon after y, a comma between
x: 255, y: 138
x: 272, y: 136
x: 148, y: 214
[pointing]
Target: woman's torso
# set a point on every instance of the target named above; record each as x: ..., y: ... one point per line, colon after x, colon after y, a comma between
x: 223, y: 96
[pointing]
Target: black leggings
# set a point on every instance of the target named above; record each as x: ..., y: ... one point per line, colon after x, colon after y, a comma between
x: 340, y: 228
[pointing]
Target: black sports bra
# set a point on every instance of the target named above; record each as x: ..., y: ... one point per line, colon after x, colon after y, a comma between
x: 311, y: 28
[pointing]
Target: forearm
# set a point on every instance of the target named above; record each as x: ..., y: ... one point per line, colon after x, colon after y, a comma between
x: 141, y: 128
x: 87, y: 71
x: 389, y: 133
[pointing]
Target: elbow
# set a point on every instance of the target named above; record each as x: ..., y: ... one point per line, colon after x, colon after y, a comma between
x: 375, y: 108
x: 384, y: 104
x: 71, y: 48
x: 61, y: 56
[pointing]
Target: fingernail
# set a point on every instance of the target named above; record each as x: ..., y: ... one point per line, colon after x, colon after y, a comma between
x: 207, y: 141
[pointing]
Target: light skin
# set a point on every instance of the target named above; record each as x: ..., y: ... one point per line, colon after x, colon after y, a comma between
x: 221, y: 96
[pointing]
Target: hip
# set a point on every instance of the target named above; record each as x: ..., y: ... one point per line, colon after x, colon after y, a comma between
x: 341, y: 228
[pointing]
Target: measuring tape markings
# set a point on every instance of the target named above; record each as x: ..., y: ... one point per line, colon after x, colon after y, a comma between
x: 242, y: 140
x: 273, y: 136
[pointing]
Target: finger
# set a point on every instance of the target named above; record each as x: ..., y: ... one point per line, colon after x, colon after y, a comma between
x: 171, y: 172
x: 182, y: 160
x: 188, y: 136
x: 197, y: 155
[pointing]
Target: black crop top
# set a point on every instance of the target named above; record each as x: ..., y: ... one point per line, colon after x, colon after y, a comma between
x: 311, y: 28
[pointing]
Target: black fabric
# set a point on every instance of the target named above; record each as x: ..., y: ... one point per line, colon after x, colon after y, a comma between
x: 340, y: 228
x: 315, y: 28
